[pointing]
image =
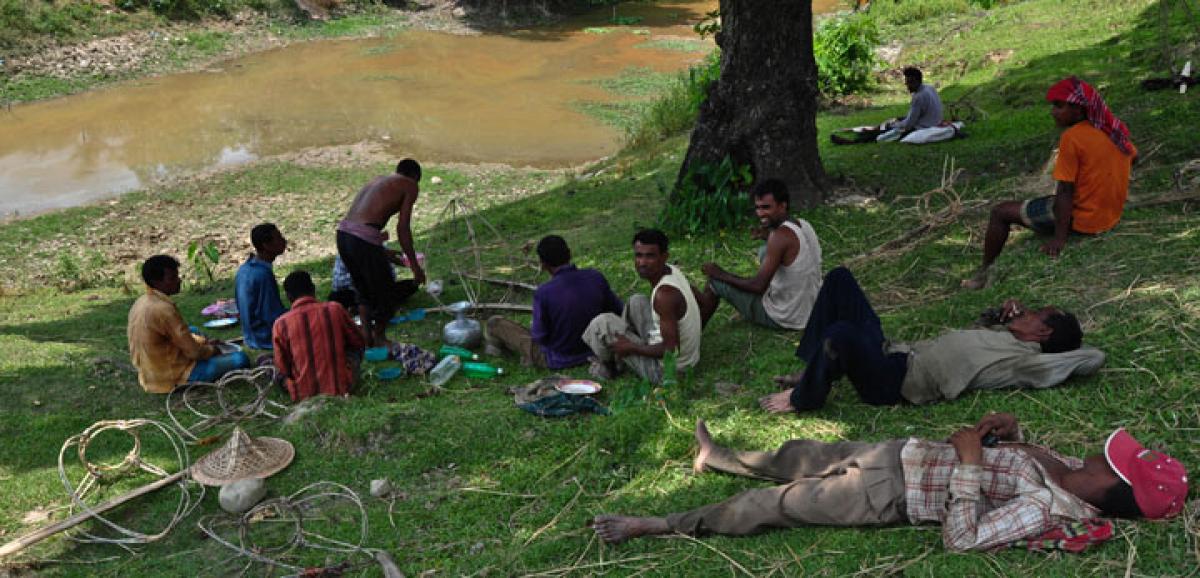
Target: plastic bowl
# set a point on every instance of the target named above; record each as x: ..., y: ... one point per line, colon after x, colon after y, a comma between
x: 389, y: 373
x: 376, y: 354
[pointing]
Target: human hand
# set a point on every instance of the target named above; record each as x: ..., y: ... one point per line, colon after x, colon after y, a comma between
x: 1011, y: 310
x: 1003, y: 425
x: 1053, y: 246
x: 622, y: 346
x: 418, y: 274
x: 968, y: 445
x: 710, y: 269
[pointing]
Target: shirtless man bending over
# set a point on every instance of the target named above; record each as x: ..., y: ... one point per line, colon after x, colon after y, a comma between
x: 360, y: 237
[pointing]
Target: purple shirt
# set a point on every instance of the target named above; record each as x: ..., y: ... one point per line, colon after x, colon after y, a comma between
x: 562, y: 309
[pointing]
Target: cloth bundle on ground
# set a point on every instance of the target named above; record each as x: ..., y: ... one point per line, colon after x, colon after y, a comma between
x: 541, y: 398
x: 944, y: 131
x: 414, y: 359
x: 887, y: 133
x: 1072, y: 537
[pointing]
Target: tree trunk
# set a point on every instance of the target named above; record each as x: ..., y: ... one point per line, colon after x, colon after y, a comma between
x: 762, y: 111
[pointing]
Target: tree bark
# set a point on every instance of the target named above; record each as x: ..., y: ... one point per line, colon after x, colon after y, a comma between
x: 762, y: 110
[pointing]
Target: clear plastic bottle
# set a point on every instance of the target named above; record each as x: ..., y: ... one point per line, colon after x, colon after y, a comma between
x: 481, y: 370
x: 444, y: 370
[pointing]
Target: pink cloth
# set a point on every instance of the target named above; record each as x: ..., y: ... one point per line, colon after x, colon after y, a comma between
x: 1075, y: 91
x: 362, y: 231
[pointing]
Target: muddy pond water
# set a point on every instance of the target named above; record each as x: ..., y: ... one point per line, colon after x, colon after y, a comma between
x: 506, y: 98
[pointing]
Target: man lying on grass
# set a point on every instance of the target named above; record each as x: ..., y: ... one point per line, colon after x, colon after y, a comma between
x: 844, y: 337
x: 1092, y: 171
x: 781, y: 294
x: 1013, y: 494
x: 161, y: 345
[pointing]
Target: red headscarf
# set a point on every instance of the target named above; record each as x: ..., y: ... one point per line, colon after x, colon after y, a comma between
x: 1075, y: 91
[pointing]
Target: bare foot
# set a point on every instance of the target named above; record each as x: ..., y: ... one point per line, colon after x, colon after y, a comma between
x: 601, y: 370
x: 616, y: 529
x: 790, y: 380
x: 777, y: 402
x: 706, y: 445
x: 977, y: 281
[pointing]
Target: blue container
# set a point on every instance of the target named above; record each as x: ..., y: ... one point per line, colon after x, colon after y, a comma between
x: 376, y: 354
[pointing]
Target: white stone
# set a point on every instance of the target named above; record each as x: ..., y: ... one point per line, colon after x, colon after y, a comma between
x: 238, y: 497
x: 436, y: 180
x: 381, y: 488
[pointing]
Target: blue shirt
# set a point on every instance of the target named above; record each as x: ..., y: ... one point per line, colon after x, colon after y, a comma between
x: 562, y: 309
x: 258, y: 301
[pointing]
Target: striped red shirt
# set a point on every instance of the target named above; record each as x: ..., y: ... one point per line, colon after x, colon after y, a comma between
x: 311, y: 344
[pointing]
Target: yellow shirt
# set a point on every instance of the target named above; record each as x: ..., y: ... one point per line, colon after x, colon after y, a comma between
x: 161, y: 346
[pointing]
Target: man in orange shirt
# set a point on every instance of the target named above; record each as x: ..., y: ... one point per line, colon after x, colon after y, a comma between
x: 1092, y: 171
x: 316, y: 344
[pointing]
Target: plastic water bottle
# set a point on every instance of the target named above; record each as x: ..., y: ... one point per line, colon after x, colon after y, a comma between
x: 669, y: 379
x: 444, y: 370
x: 481, y: 370
x: 461, y: 352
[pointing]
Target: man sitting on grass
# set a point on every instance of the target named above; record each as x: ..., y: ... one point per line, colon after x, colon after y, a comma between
x: 781, y: 294
x: 161, y: 345
x: 1092, y: 170
x: 562, y: 309
x: 317, y: 346
x: 844, y: 337
x: 256, y: 289
x: 1013, y: 494
x: 669, y: 321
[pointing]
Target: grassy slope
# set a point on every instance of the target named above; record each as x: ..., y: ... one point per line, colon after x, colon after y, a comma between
x: 1135, y: 290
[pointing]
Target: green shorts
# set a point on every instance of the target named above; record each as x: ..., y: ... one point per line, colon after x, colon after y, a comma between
x: 748, y: 304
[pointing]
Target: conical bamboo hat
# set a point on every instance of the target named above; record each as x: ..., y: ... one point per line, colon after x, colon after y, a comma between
x: 243, y: 457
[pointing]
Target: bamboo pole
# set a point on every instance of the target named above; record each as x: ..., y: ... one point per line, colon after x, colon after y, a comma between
x: 489, y: 306
x: 503, y: 282
x: 39, y: 535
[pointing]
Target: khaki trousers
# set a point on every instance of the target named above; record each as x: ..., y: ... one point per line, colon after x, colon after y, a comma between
x: 635, y: 323
x: 508, y: 335
x: 831, y: 484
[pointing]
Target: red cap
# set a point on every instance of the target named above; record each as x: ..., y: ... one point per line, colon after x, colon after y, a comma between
x: 1159, y: 481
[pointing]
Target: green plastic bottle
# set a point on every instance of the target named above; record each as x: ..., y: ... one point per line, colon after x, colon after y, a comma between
x: 462, y: 353
x: 481, y: 370
x: 669, y: 380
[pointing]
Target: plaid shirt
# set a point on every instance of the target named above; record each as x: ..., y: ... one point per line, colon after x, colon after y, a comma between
x: 1007, y: 498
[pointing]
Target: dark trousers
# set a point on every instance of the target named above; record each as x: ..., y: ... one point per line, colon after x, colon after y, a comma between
x: 373, y: 279
x: 843, y: 336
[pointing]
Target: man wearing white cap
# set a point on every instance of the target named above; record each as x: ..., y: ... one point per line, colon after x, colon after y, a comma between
x: 1012, y: 494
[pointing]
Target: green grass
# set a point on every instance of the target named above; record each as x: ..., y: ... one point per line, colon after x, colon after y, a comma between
x: 636, y: 90
x: 63, y: 351
x: 676, y: 44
